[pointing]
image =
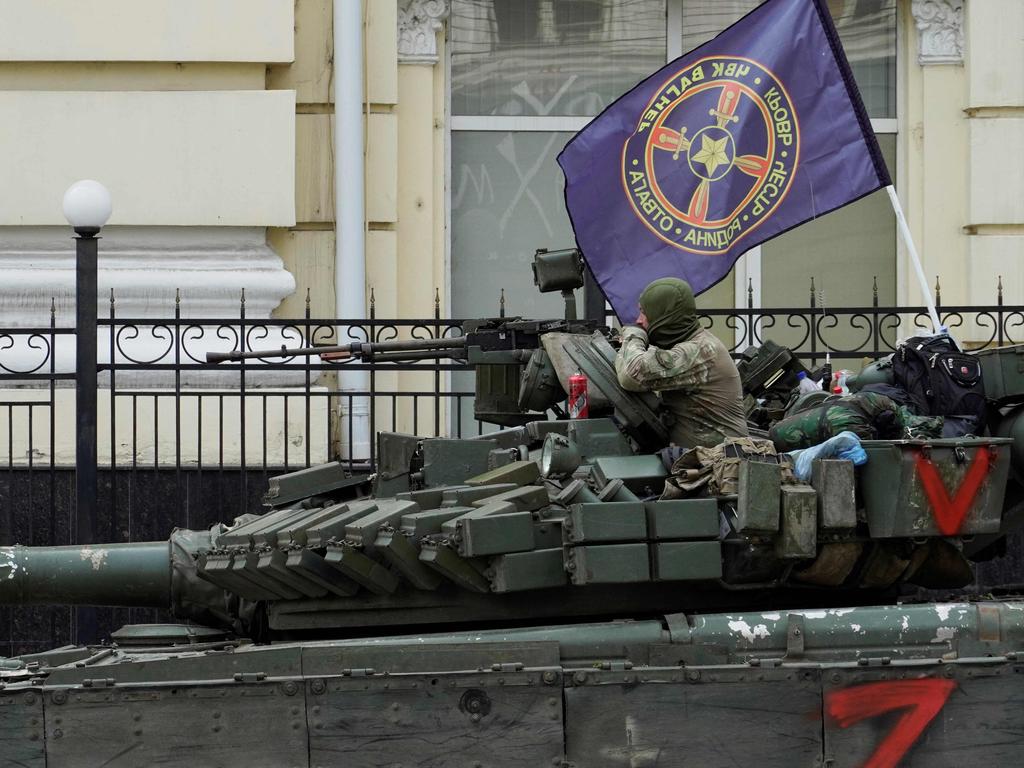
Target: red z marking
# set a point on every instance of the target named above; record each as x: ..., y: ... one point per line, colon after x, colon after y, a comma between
x: 949, y: 513
x: 922, y: 700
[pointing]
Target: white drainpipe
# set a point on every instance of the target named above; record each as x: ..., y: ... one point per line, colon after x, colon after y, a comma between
x: 349, y: 215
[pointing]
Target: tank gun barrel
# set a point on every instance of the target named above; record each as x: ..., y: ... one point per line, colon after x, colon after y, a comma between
x: 133, y: 574
x: 443, y: 348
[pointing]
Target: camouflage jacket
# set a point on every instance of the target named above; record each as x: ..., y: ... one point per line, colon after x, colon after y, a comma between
x: 697, y: 380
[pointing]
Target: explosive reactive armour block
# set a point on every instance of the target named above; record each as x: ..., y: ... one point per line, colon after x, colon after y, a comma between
x: 608, y: 521
x: 464, y: 497
x: 682, y: 519
x: 495, y: 534
x: 450, y: 461
x: 452, y: 526
x: 429, y: 521
x: 608, y: 564
x: 834, y: 481
x: 644, y: 475
x: 686, y: 560
x: 757, y: 508
x: 284, y: 489
x: 540, y: 569
x: 598, y: 437
x: 799, y: 536
x: 529, y: 498
x: 398, y: 550
x: 518, y: 472
x: 318, y: 535
x: 365, y: 572
x: 363, y: 532
x: 446, y: 561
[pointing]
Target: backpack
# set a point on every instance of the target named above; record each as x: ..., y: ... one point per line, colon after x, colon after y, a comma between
x: 940, y: 379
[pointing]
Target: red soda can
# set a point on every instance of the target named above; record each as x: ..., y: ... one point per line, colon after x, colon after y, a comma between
x: 579, y: 402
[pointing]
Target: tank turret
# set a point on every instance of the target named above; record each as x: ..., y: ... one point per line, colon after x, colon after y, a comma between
x: 557, y: 518
x: 548, y: 519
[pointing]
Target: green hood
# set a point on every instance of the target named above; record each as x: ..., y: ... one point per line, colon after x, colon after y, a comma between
x: 671, y: 312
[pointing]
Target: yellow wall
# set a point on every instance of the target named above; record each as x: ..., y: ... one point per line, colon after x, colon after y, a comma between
x: 146, y: 30
x: 994, y: 220
x: 173, y: 158
x: 962, y: 145
x: 404, y: 146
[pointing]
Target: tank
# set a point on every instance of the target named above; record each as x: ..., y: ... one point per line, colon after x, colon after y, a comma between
x: 531, y: 597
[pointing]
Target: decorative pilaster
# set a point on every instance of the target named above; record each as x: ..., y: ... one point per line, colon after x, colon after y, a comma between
x: 940, y: 26
x: 418, y: 24
x: 150, y: 272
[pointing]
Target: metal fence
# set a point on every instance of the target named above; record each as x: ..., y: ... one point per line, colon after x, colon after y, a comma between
x: 186, y: 443
x: 163, y: 409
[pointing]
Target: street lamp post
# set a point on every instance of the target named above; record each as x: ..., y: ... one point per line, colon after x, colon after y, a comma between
x: 86, y: 207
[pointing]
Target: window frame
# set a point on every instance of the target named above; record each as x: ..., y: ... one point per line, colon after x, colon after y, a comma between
x: 747, y: 270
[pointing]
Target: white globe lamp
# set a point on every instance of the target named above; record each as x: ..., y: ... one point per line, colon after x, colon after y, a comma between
x: 87, y: 206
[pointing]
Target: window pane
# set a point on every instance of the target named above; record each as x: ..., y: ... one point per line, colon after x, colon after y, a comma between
x: 551, y: 57
x: 507, y: 201
x: 867, y: 29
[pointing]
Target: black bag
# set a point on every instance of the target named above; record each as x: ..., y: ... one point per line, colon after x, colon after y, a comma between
x: 940, y: 379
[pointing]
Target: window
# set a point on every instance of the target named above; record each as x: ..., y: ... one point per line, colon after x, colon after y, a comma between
x: 527, y: 74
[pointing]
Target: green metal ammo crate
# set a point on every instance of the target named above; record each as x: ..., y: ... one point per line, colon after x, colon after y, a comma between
x: 1002, y: 370
x: 946, y: 487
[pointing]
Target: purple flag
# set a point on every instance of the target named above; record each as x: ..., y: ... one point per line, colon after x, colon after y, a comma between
x: 733, y: 143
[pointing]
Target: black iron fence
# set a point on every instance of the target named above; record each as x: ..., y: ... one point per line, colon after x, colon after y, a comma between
x: 186, y: 443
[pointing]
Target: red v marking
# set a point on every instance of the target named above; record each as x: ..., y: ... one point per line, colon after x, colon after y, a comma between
x: 922, y: 699
x: 949, y: 513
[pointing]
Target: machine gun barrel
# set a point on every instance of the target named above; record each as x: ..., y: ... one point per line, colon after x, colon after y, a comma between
x: 355, y: 349
x: 133, y: 574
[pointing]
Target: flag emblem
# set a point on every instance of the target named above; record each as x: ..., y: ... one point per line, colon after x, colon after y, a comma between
x: 751, y: 134
x: 713, y: 154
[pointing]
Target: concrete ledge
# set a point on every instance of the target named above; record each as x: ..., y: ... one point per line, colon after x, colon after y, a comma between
x: 220, y: 158
x: 153, y: 30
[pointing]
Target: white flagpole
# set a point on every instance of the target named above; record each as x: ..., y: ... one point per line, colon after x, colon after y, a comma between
x: 914, y: 258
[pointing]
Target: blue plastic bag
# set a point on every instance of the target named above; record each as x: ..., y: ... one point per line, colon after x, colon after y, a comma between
x: 845, y: 445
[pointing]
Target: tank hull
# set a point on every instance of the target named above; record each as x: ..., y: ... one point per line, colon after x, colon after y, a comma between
x: 897, y: 685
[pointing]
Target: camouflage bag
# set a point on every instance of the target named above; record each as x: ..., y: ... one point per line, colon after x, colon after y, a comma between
x: 715, y: 470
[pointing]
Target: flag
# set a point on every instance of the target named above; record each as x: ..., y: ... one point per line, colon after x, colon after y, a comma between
x: 753, y: 133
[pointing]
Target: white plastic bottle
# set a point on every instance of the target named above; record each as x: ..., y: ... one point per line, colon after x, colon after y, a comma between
x: 807, y: 384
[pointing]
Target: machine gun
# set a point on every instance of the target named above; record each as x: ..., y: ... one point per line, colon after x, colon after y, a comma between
x: 520, y: 365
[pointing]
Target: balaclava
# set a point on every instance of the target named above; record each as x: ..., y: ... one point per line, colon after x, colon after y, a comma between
x: 671, y: 311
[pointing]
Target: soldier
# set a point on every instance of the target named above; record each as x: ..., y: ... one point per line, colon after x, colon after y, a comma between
x: 667, y: 351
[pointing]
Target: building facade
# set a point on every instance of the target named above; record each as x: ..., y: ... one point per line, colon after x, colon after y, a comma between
x: 212, y: 124
x: 216, y: 125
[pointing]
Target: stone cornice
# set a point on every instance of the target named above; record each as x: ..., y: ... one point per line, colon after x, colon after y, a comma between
x: 418, y: 24
x: 940, y: 27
